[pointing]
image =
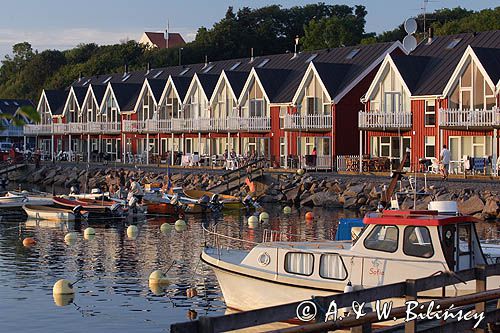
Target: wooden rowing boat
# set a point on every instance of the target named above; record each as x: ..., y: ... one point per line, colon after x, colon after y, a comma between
x: 49, y: 213
x: 94, y: 208
x: 162, y: 207
x: 228, y: 201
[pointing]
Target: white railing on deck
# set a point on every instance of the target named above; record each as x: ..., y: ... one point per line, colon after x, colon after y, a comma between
x: 341, y: 162
x: 38, y: 129
x: 384, y: 120
x: 305, y: 122
x: 322, y: 162
x: 468, y: 118
x: 104, y: 127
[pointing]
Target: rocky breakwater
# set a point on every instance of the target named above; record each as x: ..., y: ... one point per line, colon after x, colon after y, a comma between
x: 364, y: 195
x: 61, y: 178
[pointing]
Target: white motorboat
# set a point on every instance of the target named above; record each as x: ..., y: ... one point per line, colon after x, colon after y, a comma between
x: 51, y: 213
x: 18, y: 200
x: 8, y: 199
x: 392, y: 247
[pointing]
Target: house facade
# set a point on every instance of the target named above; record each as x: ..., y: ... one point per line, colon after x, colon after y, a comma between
x: 296, y: 110
x: 445, y: 92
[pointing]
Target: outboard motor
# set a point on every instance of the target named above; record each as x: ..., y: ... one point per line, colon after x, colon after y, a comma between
x: 249, y: 202
x: 116, y: 209
x: 215, y: 204
x: 73, y: 190
x: 77, y: 210
x: 204, y: 200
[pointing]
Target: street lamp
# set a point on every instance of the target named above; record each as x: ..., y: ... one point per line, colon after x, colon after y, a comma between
x: 180, y: 53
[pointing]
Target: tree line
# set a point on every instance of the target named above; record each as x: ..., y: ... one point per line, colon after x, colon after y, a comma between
x: 268, y: 30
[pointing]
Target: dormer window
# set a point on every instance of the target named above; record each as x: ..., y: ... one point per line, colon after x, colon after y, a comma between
x: 233, y: 67
x: 185, y: 71
x: 352, y: 54
x: 107, y: 80
x: 263, y: 63
x: 208, y: 69
x: 126, y: 77
x: 311, y: 58
x: 453, y: 43
x: 157, y: 74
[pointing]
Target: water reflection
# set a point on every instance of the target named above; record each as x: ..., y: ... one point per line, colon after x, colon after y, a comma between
x: 114, y: 291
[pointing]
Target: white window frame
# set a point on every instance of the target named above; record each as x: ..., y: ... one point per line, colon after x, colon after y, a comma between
x: 428, y: 144
x: 426, y: 103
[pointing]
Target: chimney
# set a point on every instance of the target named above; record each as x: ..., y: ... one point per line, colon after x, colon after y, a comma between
x: 79, y: 76
x: 251, y: 54
x: 206, y: 60
x: 430, y: 35
x: 126, y: 69
x: 148, y: 68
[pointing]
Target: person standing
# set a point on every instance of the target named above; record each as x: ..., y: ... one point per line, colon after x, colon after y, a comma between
x: 314, y: 156
x: 445, y: 160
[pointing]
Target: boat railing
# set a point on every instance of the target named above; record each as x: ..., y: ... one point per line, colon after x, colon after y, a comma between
x: 221, y: 241
x: 282, y: 236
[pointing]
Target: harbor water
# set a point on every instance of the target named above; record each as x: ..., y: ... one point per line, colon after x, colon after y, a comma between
x: 113, y: 293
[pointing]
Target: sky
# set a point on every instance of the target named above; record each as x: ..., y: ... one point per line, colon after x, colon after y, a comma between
x: 62, y: 24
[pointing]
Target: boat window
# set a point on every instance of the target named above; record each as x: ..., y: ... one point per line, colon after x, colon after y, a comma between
x: 383, y: 238
x: 417, y: 242
x: 331, y: 266
x: 464, y: 239
x: 300, y: 263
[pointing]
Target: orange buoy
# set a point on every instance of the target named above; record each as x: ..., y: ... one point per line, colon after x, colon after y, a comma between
x: 309, y: 216
x: 29, y: 241
x: 191, y: 292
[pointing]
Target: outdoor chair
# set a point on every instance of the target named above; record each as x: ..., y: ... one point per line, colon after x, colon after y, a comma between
x: 434, y: 167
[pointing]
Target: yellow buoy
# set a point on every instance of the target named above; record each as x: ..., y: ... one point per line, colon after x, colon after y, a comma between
x: 180, y: 222
x: 63, y: 300
x: 165, y: 228
x: 263, y: 217
x: 287, y: 210
x: 157, y: 289
x: 253, y: 225
x: 63, y: 287
x: 88, y: 236
x: 180, y: 228
x: 157, y: 277
x: 253, y: 219
x: 300, y: 172
x: 132, y: 231
x: 89, y: 231
x: 29, y: 241
x: 70, y: 238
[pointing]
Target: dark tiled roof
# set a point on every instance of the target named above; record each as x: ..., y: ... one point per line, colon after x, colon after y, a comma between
x: 273, y: 81
x: 182, y: 85
x: 56, y: 100
x: 332, y: 75
x: 80, y: 93
x: 443, y: 60
x: 411, y: 68
x: 490, y: 59
x: 10, y: 106
x: 157, y: 87
x: 126, y: 95
x: 237, y: 81
x: 208, y: 83
x: 99, y: 91
x: 296, y: 65
x: 158, y: 38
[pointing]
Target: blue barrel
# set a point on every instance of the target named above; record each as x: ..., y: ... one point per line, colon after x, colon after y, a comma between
x: 344, y: 228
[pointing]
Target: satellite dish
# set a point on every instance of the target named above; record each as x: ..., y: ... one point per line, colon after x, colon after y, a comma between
x: 409, y: 43
x: 410, y: 25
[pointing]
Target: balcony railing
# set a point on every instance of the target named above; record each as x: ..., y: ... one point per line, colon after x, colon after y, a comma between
x: 73, y: 128
x: 198, y: 125
x: 469, y: 118
x: 12, y: 130
x: 374, y: 120
x: 322, y: 162
x: 307, y: 122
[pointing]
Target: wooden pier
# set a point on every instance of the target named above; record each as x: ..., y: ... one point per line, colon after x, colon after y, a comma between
x: 482, y: 300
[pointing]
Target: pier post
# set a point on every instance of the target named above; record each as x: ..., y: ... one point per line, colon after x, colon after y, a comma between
x: 147, y: 148
x: 52, y: 148
x: 480, y: 287
x: 410, y: 295
x: 88, y: 148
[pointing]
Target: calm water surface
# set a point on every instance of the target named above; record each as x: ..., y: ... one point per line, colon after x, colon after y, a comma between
x: 113, y: 294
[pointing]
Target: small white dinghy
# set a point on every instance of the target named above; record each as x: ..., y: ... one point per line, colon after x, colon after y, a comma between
x: 50, y: 213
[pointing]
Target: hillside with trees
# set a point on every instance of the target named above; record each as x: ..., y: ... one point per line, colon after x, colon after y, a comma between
x: 268, y: 30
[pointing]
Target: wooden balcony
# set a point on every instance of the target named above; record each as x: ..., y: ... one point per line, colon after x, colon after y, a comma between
x: 384, y: 121
x: 469, y: 119
x: 310, y: 122
x: 45, y: 129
